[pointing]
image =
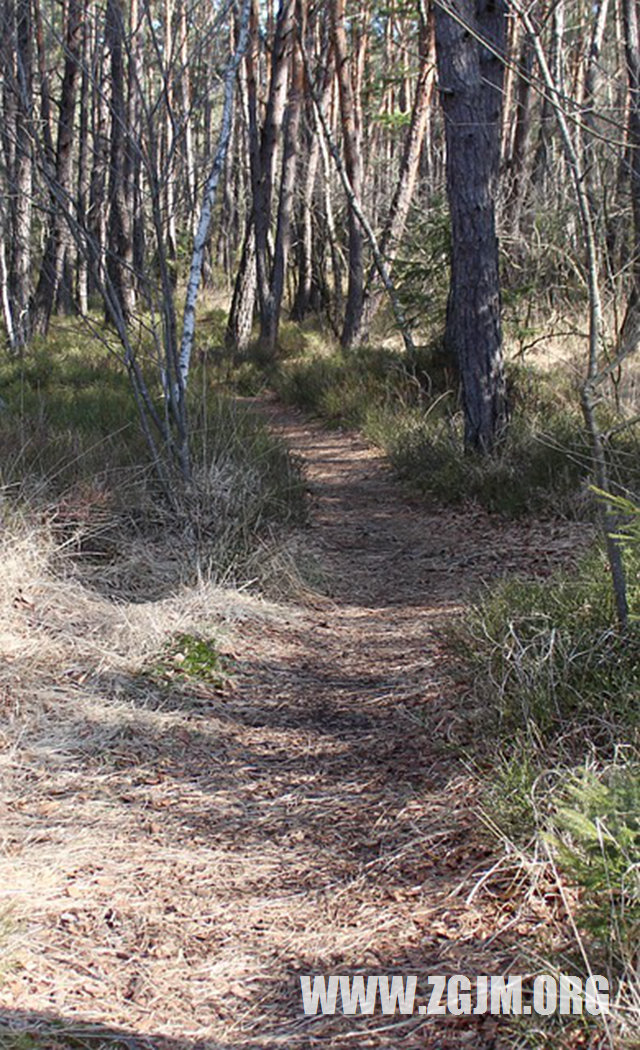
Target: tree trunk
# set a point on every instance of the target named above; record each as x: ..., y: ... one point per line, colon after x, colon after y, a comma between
x: 7, y: 313
x: 84, y: 173
x: 542, y: 160
x: 20, y: 271
x: 45, y: 98
x: 518, y: 160
x: 8, y: 44
x: 334, y: 303
x: 134, y: 166
x: 270, y: 319
x: 470, y: 80
x: 307, y: 283
x: 263, y: 158
x: 240, y: 323
x: 304, y: 291
x: 399, y: 210
x: 97, y: 213
x: 631, y: 14
x: 353, y: 164
x: 209, y: 198
x: 590, y: 126
x: 119, y: 244
x: 168, y: 175
x: 52, y: 268
x: 185, y: 116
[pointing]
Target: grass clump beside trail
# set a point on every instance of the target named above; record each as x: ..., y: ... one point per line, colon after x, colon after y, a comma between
x: 548, y: 652
x: 75, y: 455
x: 556, y: 689
x: 407, y: 406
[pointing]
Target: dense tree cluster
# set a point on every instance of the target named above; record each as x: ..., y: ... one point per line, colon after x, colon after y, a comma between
x: 338, y: 119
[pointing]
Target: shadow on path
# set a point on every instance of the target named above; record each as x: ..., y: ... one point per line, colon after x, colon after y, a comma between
x: 192, y: 854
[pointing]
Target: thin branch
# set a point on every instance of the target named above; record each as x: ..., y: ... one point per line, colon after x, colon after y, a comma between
x: 356, y: 207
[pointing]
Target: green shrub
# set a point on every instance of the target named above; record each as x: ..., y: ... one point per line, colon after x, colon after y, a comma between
x: 595, y: 835
x: 193, y: 658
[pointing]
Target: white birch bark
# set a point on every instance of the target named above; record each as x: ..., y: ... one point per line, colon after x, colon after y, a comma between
x: 204, y: 223
x: 4, y: 295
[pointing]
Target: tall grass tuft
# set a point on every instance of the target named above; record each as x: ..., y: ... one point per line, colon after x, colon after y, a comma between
x: 74, y: 455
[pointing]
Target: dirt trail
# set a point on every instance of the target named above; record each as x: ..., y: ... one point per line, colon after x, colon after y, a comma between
x: 311, y: 821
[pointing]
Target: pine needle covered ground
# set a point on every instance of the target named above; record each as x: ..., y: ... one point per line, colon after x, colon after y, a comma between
x: 181, y: 841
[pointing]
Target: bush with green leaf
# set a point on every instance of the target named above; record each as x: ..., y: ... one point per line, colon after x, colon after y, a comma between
x: 594, y: 833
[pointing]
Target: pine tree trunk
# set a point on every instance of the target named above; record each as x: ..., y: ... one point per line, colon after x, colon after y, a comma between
x: 119, y: 244
x: 270, y: 319
x: 52, y: 267
x: 307, y: 283
x: 304, y: 291
x: 353, y: 164
x: 470, y: 80
x: 263, y: 157
x: 403, y: 195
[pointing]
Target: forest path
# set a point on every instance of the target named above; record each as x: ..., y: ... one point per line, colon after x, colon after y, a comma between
x: 186, y: 859
x: 362, y: 822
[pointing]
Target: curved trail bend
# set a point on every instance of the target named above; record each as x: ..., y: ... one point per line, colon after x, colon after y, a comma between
x: 375, y: 840
x: 183, y: 861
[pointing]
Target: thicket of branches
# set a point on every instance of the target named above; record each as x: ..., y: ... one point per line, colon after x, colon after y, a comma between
x: 285, y: 151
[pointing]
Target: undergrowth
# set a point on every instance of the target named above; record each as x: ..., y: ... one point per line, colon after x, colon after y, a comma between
x: 74, y: 455
x: 191, y: 657
x: 408, y: 407
x: 547, y: 652
x: 49, y: 1035
x: 556, y: 691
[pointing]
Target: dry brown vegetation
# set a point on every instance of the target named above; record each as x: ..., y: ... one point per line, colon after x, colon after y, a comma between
x: 176, y: 852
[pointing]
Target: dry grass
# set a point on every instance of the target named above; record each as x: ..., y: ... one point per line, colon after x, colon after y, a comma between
x: 97, y: 843
x: 176, y: 853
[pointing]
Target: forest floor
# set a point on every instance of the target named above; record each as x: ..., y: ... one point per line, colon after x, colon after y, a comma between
x: 177, y: 858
